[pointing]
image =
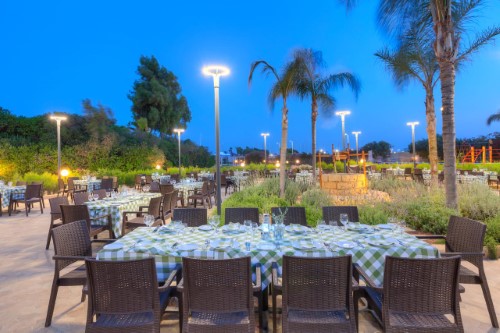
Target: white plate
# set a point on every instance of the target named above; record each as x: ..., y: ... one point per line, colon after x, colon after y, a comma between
x: 346, y: 244
x: 187, y: 247
x: 385, y: 226
x: 266, y: 246
x: 306, y: 245
x: 205, y: 227
x: 221, y: 243
x: 296, y: 228
x: 113, y: 246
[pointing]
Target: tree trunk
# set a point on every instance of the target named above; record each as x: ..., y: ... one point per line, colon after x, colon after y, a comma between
x: 430, y: 115
x: 314, y: 115
x: 284, y: 137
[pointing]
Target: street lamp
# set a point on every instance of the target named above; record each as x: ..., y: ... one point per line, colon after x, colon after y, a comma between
x: 342, y: 115
x: 413, y: 124
x: 179, y: 131
x: 356, y: 135
x: 58, y: 119
x: 265, y: 135
x: 216, y: 72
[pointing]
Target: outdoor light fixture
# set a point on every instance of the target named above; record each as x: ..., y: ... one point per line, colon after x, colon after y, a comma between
x: 158, y: 167
x: 297, y: 161
x: 413, y: 124
x: 242, y: 164
x: 356, y: 135
x: 342, y: 115
x: 265, y: 135
x: 58, y: 119
x: 64, y: 172
x: 179, y: 131
x: 216, y: 72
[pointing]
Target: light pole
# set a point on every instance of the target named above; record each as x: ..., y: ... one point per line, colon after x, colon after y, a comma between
x: 179, y: 131
x: 265, y: 135
x: 342, y: 115
x: 356, y: 135
x: 216, y: 72
x: 413, y: 124
x: 58, y: 119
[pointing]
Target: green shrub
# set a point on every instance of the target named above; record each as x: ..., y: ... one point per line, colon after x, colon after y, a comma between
x: 478, y: 202
x: 373, y: 215
x: 49, y: 180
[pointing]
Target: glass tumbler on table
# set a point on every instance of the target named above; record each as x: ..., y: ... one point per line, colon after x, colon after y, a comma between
x: 344, y: 220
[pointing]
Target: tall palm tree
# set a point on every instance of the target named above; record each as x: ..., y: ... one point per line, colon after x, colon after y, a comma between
x: 493, y: 117
x: 446, y: 15
x: 312, y: 83
x: 283, y: 87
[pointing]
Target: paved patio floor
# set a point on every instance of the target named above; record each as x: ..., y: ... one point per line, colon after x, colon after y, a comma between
x: 26, y: 271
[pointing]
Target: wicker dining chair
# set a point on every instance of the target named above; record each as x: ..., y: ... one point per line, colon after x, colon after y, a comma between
x: 316, y: 294
x: 31, y: 196
x: 166, y: 188
x: 72, y: 213
x: 61, y: 187
x: 465, y: 238
x: 418, y: 295
x: 194, y: 217
x: 55, y: 214
x: 241, y: 214
x: 154, y: 187
x: 418, y: 175
x: 212, y: 191
x: 175, y: 177
x: 294, y: 215
x: 154, y: 208
x: 332, y: 213
x: 79, y: 198
x: 124, y: 296
x: 21, y: 183
x: 217, y: 295
x: 100, y: 192
x: 41, y: 191
x: 107, y: 184
x: 166, y: 206
x: 71, y: 244
x: 173, y: 200
x: 200, y: 194
x: 72, y: 188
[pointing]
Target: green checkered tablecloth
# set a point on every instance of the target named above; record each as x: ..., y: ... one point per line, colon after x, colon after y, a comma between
x: 184, y: 188
x: 90, y: 184
x: 142, y: 243
x: 16, y: 191
x: 116, y: 208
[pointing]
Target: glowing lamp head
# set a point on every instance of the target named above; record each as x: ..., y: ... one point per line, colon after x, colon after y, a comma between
x: 242, y: 164
x: 216, y: 70
x: 58, y: 118
x: 64, y: 172
x: 297, y: 161
x: 343, y: 113
x: 158, y: 167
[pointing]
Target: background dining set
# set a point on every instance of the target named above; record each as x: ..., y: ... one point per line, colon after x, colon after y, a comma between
x: 222, y: 273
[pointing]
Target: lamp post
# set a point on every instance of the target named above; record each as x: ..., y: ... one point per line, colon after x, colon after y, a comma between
x: 58, y: 119
x: 356, y: 135
x: 179, y: 131
x: 413, y: 124
x: 342, y: 115
x: 216, y: 72
x: 265, y: 135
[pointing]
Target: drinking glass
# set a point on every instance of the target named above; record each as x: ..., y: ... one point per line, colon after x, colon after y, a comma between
x: 213, y: 223
x: 255, y: 226
x: 344, y: 220
x: 402, y: 226
x: 91, y: 197
x: 96, y: 196
x: 248, y: 226
x: 392, y: 221
x: 149, y: 221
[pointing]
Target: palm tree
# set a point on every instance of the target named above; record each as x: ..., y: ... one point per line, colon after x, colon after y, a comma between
x: 311, y: 83
x: 493, y: 117
x: 283, y: 87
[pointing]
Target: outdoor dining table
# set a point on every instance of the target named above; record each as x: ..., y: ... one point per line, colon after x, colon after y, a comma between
x: 207, y: 175
x: 396, y: 171
x: 168, y: 246
x: 116, y: 206
x: 92, y: 184
x: 185, y: 187
x: 238, y: 180
x: 10, y: 191
x: 468, y: 179
x: 304, y: 177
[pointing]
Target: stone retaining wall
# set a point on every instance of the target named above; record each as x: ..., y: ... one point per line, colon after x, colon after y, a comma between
x: 344, y: 184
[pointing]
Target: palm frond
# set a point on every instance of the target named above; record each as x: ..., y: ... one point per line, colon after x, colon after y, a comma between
x: 399, y: 65
x: 483, y: 38
x: 266, y: 69
x: 334, y: 81
x: 493, y: 117
x: 327, y: 103
x: 464, y: 13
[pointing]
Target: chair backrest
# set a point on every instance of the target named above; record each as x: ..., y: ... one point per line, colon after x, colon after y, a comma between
x: 154, y: 206
x: 383, y: 170
x: 211, y: 186
x: 32, y: 191
x: 175, y: 177
x: 107, y: 184
x: 149, y: 179
x: 218, y: 286
x: 166, y: 202
x: 55, y: 204
x: 20, y: 183
x: 71, y: 184
x: 166, y: 188
x: 317, y: 283
x: 194, y: 217
x: 123, y: 287
x: 407, y: 171
x: 223, y: 180
x: 174, y: 199
x: 154, y: 187
x: 294, y: 215
x: 71, y: 239
x: 417, y: 171
x: 421, y: 286
x: 72, y: 213
x: 465, y: 235
x: 79, y: 198
x: 101, y: 192
x: 61, y: 184
x: 332, y: 213
x: 115, y: 182
x: 241, y: 214
x: 204, y: 188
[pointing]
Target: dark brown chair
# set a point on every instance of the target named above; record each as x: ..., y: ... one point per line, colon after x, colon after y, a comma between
x: 55, y: 214
x: 493, y: 180
x: 107, y: 184
x: 72, y: 213
x: 139, y: 181
x: 71, y: 187
x: 194, y: 217
x: 241, y: 214
x: 217, y: 295
x: 166, y: 188
x: 212, y: 191
x: 294, y: 215
x: 79, y: 198
x: 332, y: 213
x: 21, y: 183
x: 465, y: 238
x: 200, y: 194
x: 71, y: 244
x: 62, y: 189
x: 175, y: 177
x: 41, y: 191
x: 173, y: 200
x: 166, y: 206
x: 101, y: 193
x: 317, y: 294
x: 149, y: 179
x: 418, y: 175
x: 115, y: 183
x: 154, y: 187
x: 407, y: 173
x: 124, y: 296
x: 152, y: 209
x: 419, y: 295
x: 31, y: 196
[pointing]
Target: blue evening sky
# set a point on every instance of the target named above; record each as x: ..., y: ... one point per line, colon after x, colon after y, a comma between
x: 56, y: 53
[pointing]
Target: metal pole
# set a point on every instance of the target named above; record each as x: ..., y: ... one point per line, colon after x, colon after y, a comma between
x: 217, y: 146
x: 343, y: 132
x: 58, y: 149
x: 357, y: 156
x: 179, y: 140
x: 265, y: 151
x: 413, y: 144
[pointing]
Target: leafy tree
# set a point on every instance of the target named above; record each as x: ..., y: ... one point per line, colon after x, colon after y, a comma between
x: 493, y: 117
x: 283, y: 87
x: 379, y: 149
x: 422, y: 147
x: 246, y: 150
x: 156, y: 96
x: 311, y: 82
x: 98, y: 119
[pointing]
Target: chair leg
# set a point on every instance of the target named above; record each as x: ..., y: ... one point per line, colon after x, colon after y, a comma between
x: 275, y: 324
x: 261, y: 319
x: 41, y: 206
x: 489, y: 302
x: 49, y: 237
x: 52, y: 303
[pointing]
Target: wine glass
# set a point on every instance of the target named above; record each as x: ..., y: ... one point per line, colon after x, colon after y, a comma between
x: 213, y: 223
x: 96, y: 196
x: 255, y: 226
x: 402, y: 226
x: 149, y: 220
x: 248, y: 226
x: 344, y: 220
x: 392, y: 222
x: 91, y: 197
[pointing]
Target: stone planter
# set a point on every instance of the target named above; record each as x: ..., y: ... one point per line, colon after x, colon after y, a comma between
x: 344, y: 184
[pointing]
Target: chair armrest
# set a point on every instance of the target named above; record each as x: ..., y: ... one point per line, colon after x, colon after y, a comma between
x: 180, y: 286
x: 430, y: 236
x: 142, y: 207
x: 474, y: 258
x: 274, y: 268
x: 368, y: 280
x: 258, y: 278
x: 103, y: 240
x: 57, y: 257
x: 355, y: 284
x: 170, y: 280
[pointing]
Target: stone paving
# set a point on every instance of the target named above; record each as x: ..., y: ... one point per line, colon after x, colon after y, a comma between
x: 26, y: 271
